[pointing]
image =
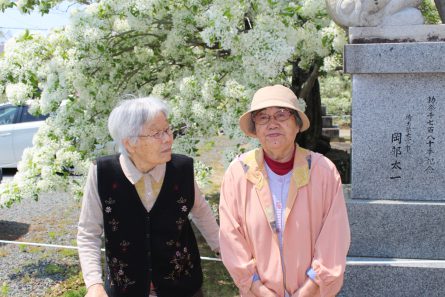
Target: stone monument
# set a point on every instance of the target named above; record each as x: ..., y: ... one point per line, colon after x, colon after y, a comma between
x: 397, y: 203
x: 369, y: 13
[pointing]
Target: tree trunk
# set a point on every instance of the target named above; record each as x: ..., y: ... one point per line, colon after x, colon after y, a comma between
x: 305, y: 84
x: 440, y: 4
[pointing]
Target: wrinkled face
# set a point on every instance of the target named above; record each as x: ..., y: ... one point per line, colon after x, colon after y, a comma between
x: 153, y: 145
x: 278, y: 134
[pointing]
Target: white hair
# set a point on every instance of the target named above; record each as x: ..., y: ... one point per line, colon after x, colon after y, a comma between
x: 129, y: 116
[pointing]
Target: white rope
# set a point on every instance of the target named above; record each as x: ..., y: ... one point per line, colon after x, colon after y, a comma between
x: 42, y: 244
x: 71, y: 247
x: 211, y: 259
x: 351, y: 261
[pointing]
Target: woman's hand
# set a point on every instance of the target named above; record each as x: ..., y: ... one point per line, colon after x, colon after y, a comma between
x: 260, y: 290
x: 96, y: 290
x: 309, y: 289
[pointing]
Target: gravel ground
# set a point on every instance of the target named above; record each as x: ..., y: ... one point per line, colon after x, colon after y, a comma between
x: 29, y: 271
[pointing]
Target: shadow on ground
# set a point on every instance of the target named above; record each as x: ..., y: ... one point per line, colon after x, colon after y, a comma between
x: 56, y: 271
x: 12, y: 230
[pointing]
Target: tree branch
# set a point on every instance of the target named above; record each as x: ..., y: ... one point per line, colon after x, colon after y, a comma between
x: 309, y: 84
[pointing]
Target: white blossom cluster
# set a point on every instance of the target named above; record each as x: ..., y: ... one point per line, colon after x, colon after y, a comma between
x: 266, y: 49
x: 222, y: 22
x: 18, y: 93
x: 310, y: 9
x: 205, y: 58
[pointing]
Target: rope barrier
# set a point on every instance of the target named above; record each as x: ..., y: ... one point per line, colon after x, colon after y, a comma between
x: 71, y: 247
x: 351, y: 261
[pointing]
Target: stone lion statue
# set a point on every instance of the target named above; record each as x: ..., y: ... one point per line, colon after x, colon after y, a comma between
x: 371, y: 13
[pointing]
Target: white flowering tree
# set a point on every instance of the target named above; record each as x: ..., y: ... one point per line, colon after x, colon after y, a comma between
x: 205, y: 57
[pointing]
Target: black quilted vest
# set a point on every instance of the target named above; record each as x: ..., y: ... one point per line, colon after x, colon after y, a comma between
x: 143, y: 247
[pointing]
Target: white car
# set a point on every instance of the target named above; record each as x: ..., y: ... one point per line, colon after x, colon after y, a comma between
x: 17, y: 128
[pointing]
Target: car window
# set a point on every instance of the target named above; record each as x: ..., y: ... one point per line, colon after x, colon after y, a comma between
x: 7, y: 114
x: 27, y: 117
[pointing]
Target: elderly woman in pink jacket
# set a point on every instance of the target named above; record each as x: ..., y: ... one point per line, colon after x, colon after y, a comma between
x: 284, y: 229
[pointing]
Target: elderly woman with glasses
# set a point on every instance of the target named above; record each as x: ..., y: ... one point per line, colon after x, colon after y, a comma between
x: 283, y: 224
x: 141, y: 200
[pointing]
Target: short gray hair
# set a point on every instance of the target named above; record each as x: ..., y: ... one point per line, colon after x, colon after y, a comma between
x: 129, y: 116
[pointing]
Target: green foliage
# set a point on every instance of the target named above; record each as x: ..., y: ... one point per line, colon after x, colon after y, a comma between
x: 6, y: 4
x: 335, y: 89
x: 26, y: 6
x: 429, y: 12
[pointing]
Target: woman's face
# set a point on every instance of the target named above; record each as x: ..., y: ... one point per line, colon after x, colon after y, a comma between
x: 277, y: 136
x: 153, y: 145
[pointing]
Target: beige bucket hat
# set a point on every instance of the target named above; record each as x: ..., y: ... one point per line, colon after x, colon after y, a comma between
x: 277, y: 95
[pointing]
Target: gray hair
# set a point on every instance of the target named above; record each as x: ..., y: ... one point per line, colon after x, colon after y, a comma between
x: 129, y: 116
x: 297, y: 117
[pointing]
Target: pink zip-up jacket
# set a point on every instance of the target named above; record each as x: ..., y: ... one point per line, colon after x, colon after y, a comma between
x: 316, y: 228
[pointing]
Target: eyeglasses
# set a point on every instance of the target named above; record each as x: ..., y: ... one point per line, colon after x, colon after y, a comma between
x: 261, y: 118
x: 159, y: 134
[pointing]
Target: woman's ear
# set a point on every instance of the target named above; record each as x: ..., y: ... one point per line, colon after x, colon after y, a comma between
x: 129, y: 145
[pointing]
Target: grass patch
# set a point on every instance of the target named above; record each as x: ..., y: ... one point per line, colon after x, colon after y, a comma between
x: 3, y: 253
x: 75, y: 293
x: 26, y: 279
x: 52, y: 235
x: 68, y: 252
x: 72, y: 287
x: 23, y: 248
x: 4, y: 290
x: 52, y: 268
x: 217, y: 281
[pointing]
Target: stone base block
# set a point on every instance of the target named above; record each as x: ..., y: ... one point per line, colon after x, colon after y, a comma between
x: 397, y: 34
x: 394, y: 280
x: 396, y: 229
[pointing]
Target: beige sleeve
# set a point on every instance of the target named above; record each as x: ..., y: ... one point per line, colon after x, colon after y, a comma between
x: 89, y: 232
x: 204, y: 219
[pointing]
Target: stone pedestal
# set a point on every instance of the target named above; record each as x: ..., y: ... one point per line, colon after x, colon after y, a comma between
x: 397, y: 203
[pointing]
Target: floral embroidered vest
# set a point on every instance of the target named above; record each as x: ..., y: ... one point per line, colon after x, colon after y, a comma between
x: 143, y: 247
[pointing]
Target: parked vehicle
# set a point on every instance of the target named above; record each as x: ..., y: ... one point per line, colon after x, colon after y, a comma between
x: 17, y: 128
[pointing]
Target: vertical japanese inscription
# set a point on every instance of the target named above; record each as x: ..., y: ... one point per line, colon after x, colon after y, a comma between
x: 396, y: 153
x: 430, y: 140
x: 408, y: 133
